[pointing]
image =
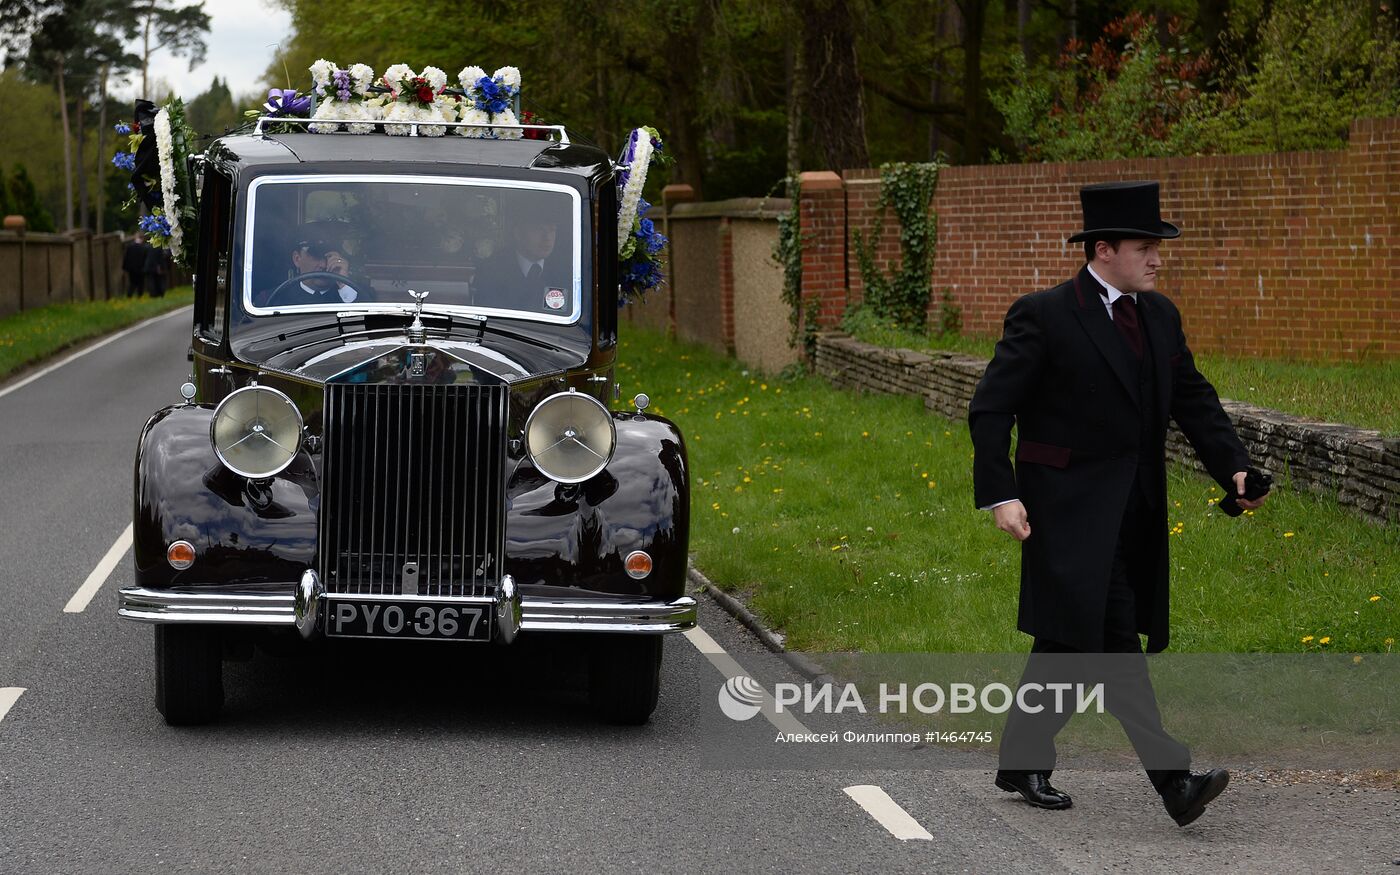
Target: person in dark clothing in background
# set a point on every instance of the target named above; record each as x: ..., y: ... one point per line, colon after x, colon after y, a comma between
x: 156, y: 271
x: 134, y: 264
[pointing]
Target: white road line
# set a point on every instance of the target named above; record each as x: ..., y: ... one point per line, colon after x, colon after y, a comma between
x: 87, y: 349
x: 878, y: 804
x: 8, y: 697
x: 730, y: 667
x: 99, y: 575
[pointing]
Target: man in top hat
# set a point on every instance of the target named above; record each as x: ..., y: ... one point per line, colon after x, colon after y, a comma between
x: 1089, y: 373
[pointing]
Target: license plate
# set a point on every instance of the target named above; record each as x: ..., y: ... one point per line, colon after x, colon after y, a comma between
x: 416, y: 620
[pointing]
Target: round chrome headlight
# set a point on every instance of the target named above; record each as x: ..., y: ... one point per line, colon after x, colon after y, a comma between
x: 256, y: 431
x: 570, y: 437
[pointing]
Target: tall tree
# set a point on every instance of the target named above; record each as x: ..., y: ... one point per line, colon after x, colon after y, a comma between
x: 835, y: 103
x: 162, y: 25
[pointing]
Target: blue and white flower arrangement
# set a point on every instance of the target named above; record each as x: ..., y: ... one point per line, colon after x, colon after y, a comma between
x: 639, y: 244
x: 172, y: 215
x: 489, y: 100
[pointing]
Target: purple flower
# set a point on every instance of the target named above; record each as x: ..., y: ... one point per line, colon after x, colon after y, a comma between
x: 341, y: 78
x: 124, y: 161
x: 283, y: 102
x: 122, y: 128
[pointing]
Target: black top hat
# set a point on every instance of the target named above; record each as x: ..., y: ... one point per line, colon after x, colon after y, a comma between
x: 1122, y: 210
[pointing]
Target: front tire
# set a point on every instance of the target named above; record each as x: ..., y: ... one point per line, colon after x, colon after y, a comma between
x: 625, y: 678
x: 189, y: 674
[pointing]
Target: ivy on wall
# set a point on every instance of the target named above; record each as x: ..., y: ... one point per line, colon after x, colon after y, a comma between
x: 787, y: 252
x: 903, y: 295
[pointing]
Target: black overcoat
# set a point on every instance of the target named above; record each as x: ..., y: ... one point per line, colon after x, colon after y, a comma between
x: 1087, y: 427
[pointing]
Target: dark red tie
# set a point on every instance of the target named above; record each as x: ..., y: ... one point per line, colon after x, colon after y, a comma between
x: 1125, y: 319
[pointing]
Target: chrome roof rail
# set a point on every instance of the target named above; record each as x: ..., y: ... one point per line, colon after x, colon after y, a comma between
x: 561, y: 135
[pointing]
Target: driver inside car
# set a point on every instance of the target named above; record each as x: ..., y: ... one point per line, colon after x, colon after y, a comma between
x: 310, y: 260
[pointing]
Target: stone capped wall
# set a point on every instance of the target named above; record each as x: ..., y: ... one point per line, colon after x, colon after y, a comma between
x: 1356, y: 465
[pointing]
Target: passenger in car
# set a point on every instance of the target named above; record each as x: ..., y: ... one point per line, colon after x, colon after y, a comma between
x: 529, y: 274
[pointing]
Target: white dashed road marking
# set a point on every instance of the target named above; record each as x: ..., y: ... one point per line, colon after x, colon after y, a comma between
x: 99, y: 575
x: 730, y: 668
x: 878, y: 804
x: 87, y: 349
x: 8, y: 697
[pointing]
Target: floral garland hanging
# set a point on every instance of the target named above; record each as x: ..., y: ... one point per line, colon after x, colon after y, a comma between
x: 170, y: 196
x: 639, y: 244
x: 341, y: 96
x: 416, y: 98
x: 489, y: 100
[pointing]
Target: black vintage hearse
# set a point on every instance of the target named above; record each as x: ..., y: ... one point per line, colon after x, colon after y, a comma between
x: 403, y: 350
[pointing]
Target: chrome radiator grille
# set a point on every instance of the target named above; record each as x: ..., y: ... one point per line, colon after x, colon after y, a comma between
x: 412, y: 481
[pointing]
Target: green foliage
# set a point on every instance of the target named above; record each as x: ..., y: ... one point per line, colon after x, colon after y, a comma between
x: 214, y: 111
x: 895, y: 557
x: 1120, y: 98
x: 1321, y: 65
x: 903, y: 295
x: 1294, y: 79
x: 787, y: 252
x: 24, y: 200
x: 31, y: 336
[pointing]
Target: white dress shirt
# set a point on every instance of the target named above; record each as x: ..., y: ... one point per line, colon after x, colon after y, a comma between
x: 527, y: 263
x: 347, y: 294
x: 1113, y: 295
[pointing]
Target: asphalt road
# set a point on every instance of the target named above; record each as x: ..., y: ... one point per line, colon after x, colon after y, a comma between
x: 420, y: 758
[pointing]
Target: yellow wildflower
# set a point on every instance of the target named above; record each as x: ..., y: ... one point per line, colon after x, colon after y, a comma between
x: 1375, y: 598
x: 1307, y: 639
x: 1288, y: 534
x: 1325, y: 639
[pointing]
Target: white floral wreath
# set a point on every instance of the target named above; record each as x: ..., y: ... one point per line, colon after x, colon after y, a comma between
x: 165, y: 151
x: 639, y: 149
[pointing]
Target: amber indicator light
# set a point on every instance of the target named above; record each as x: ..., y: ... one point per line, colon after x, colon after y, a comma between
x: 638, y: 564
x: 180, y: 555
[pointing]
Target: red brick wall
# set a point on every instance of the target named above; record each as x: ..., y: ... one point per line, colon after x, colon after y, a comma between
x: 823, y: 226
x: 1291, y: 254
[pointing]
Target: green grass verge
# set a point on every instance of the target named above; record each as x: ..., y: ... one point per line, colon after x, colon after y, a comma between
x: 1365, y: 394
x: 849, y: 522
x: 34, y: 335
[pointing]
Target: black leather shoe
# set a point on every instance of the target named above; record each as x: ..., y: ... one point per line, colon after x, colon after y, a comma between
x: 1035, y: 788
x: 1187, y: 794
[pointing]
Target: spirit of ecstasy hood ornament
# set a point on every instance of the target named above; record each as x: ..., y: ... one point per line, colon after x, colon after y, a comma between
x: 416, y: 332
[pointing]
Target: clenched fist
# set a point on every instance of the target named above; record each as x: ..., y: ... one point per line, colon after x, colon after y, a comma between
x: 1011, y: 518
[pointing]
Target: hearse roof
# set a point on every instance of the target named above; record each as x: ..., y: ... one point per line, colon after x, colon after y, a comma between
x: 249, y: 150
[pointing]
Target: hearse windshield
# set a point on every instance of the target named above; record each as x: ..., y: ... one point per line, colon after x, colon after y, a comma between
x: 341, y: 243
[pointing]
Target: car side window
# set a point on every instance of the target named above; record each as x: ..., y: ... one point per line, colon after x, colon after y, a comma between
x: 212, y: 280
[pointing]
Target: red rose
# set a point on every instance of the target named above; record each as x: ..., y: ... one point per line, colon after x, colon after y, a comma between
x: 425, y: 94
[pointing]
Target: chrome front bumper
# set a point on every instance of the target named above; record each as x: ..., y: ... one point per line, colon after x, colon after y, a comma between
x: 303, y: 606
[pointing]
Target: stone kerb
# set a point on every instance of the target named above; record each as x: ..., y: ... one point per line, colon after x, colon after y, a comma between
x: 1357, y: 466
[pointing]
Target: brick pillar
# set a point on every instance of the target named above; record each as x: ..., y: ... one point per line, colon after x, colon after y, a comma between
x: 726, y: 282
x: 670, y: 196
x: 823, y: 225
